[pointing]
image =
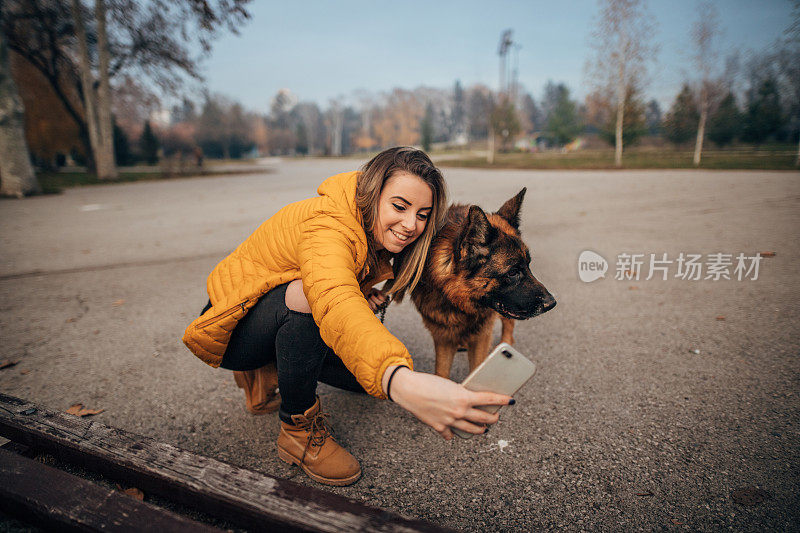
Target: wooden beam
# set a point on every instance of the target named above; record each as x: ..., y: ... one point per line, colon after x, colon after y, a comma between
x: 43, y: 495
x: 256, y: 501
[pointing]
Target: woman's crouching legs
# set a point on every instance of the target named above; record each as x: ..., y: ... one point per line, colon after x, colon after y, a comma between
x: 305, y: 438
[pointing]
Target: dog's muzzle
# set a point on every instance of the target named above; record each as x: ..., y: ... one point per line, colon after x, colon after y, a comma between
x: 541, y: 307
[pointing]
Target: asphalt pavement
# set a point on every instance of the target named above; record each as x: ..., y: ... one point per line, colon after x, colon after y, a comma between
x: 658, y: 404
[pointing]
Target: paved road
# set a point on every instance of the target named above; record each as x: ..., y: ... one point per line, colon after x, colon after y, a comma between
x: 647, y: 411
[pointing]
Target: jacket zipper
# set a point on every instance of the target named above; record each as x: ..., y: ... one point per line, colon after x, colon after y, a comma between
x: 223, y: 314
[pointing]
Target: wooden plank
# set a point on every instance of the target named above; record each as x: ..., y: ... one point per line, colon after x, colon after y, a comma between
x: 19, y: 449
x: 35, y: 492
x: 256, y: 501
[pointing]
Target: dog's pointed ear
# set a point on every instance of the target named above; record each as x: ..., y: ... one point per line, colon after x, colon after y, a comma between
x: 510, y: 209
x: 473, y: 247
x: 478, y: 227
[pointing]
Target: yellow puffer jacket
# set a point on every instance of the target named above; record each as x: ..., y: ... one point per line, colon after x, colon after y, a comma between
x: 322, y: 242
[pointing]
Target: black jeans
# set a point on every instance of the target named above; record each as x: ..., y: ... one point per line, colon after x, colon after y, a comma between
x: 269, y: 332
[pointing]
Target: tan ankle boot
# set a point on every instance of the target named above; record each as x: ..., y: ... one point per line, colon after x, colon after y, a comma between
x: 309, y: 443
x: 259, y: 387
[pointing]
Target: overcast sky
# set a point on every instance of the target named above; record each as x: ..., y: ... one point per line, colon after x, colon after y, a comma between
x: 323, y: 49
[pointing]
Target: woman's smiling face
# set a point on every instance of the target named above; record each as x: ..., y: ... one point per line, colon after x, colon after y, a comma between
x: 404, y: 207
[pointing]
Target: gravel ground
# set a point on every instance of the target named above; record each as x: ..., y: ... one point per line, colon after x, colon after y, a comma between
x: 648, y: 412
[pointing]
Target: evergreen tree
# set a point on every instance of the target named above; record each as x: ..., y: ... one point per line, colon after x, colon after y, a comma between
x: 764, y: 117
x: 239, y: 137
x: 532, y: 113
x: 725, y: 124
x: 122, y: 147
x: 426, y: 128
x: 301, y: 142
x: 680, y: 125
x: 149, y: 144
x: 562, y: 118
x: 653, y: 118
x: 479, y: 106
x: 212, y: 127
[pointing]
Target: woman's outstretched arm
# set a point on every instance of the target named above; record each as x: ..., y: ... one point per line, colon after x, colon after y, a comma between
x: 441, y: 403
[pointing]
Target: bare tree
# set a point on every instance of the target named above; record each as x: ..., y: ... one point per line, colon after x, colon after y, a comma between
x: 623, y: 51
x: 16, y: 173
x: 41, y: 32
x: 152, y: 40
x: 309, y: 116
x: 704, y: 33
x: 96, y: 91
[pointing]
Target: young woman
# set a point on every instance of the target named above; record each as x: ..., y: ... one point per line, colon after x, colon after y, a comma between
x: 298, y: 295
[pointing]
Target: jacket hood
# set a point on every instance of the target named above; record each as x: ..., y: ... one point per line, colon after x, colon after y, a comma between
x: 341, y: 188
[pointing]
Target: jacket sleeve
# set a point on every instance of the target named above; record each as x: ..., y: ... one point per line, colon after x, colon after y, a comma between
x: 347, y: 325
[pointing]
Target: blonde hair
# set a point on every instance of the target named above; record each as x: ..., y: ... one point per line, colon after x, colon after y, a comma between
x: 408, y: 264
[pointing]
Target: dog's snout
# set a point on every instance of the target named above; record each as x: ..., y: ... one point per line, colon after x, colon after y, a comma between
x: 548, y: 303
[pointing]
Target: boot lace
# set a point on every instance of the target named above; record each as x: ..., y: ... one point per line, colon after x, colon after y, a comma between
x: 319, y: 429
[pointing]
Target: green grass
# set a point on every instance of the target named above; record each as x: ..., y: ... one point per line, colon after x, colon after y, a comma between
x: 636, y: 159
x: 779, y: 157
x: 55, y: 182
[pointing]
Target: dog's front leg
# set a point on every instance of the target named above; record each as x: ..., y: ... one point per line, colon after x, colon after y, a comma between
x: 445, y: 351
x: 508, y: 330
x: 478, y: 345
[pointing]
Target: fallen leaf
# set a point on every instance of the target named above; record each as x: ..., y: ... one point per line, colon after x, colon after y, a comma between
x: 118, y: 302
x: 86, y: 251
x: 96, y: 332
x: 633, y: 288
x: 8, y: 363
x: 133, y: 492
x: 645, y: 494
x: 79, y: 410
x: 24, y: 372
x: 767, y: 254
x: 721, y: 317
x: 677, y: 522
x: 73, y: 319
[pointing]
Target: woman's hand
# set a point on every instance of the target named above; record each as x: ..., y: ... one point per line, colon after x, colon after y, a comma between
x: 441, y: 403
x: 375, y: 299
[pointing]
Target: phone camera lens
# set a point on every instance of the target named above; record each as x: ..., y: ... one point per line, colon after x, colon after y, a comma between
x: 507, y: 353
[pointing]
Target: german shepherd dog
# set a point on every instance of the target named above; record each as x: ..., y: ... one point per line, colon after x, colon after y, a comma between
x: 477, y: 268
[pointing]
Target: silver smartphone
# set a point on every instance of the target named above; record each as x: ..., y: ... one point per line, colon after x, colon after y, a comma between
x: 505, y: 371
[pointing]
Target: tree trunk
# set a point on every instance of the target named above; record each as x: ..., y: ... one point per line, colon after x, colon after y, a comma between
x: 490, y: 155
x: 618, y: 143
x: 105, y: 127
x: 16, y: 173
x: 89, y: 96
x: 338, y: 125
x: 620, y: 116
x: 701, y: 127
x: 701, y: 131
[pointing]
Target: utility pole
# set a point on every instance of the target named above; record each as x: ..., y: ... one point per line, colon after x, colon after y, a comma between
x: 502, y: 50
